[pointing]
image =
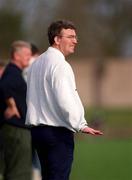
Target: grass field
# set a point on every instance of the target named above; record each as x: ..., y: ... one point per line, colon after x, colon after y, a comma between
x: 102, y: 160
x: 108, y: 157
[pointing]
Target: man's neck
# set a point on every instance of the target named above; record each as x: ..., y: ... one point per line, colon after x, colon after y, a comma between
x: 57, y: 47
x: 17, y: 64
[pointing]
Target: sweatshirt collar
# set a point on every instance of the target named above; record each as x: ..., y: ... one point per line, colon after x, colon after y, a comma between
x: 57, y: 51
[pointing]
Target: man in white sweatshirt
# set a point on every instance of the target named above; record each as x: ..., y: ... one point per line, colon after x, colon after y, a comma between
x: 55, y: 111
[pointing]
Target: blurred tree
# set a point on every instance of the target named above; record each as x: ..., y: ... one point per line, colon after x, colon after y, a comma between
x: 41, y: 14
x: 10, y: 30
x: 103, y: 25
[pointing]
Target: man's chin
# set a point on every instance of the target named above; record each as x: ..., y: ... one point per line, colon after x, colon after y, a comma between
x: 72, y: 51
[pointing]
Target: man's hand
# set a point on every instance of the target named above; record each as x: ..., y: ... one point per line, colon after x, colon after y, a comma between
x: 11, y: 109
x: 10, y: 112
x: 91, y: 131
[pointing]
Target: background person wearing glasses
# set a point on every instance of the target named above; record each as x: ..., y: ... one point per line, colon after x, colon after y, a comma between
x: 55, y: 111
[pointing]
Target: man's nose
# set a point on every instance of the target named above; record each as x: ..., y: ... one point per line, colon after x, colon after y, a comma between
x: 75, y: 40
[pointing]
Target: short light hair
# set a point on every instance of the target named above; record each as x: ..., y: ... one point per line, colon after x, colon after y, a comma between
x: 18, y: 45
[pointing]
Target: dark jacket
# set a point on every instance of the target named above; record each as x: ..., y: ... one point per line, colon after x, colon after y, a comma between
x: 13, y: 85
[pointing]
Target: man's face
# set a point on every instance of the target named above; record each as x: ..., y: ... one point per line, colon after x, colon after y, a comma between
x: 67, y: 41
x: 22, y: 57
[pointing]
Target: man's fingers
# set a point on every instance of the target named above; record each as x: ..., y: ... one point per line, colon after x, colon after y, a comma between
x: 98, y: 133
x: 9, y: 113
x: 92, y: 131
x: 18, y: 114
x: 95, y: 132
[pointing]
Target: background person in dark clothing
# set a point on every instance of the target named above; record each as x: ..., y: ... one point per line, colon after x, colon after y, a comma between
x: 15, y: 160
x: 35, y: 159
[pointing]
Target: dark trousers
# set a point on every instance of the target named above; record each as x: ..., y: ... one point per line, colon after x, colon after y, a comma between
x: 55, y: 146
x: 15, y: 153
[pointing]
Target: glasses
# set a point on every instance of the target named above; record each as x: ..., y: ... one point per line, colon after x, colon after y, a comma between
x: 70, y: 37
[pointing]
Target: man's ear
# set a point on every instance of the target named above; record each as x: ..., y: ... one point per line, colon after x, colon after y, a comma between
x: 16, y: 55
x: 57, y: 40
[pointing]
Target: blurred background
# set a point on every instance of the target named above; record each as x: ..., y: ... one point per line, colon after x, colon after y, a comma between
x: 103, y: 69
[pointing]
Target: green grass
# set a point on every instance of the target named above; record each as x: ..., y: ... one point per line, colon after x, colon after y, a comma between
x: 101, y: 159
x: 108, y: 157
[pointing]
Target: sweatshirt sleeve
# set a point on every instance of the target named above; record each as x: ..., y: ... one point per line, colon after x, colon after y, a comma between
x: 67, y: 98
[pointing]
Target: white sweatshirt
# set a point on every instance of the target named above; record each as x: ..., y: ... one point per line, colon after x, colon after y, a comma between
x: 52, y: 97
